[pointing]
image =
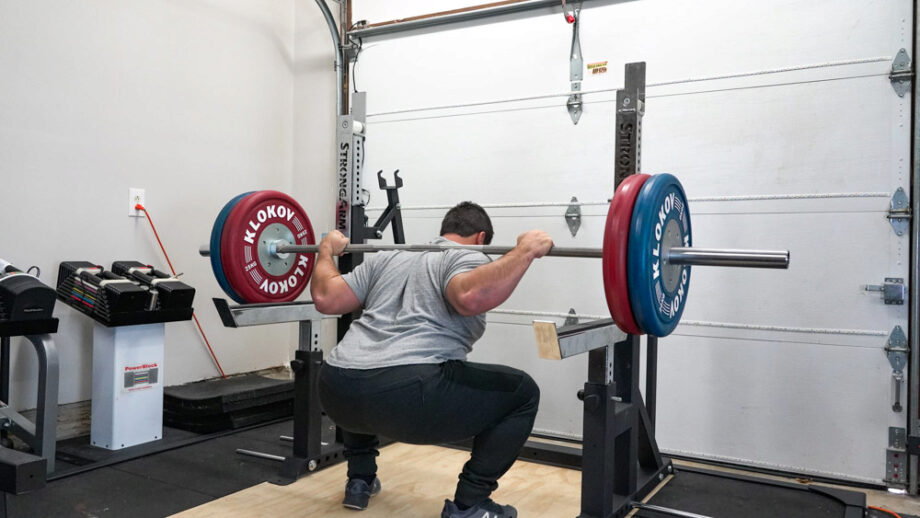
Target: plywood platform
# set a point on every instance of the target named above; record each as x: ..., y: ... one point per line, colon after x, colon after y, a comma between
x: 416, y: 480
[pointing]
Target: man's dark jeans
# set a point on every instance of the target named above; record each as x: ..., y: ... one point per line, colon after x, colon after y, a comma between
x: 433, y: 404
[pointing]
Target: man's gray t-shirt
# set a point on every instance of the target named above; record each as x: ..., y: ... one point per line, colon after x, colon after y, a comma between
x: 407, y: 318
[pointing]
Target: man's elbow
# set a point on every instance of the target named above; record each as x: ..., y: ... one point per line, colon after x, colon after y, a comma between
x: 471, y: 303
x: 322, y: 302
x: 321, y: 305
x: 328, y: 306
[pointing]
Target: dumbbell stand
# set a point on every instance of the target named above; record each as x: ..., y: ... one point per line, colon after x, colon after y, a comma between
x: 128, y: 363
x: 40, y: 435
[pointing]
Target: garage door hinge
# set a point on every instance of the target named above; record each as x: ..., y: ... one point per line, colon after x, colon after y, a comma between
x: 897, y: 350
x: 899, y: 212
x: 896, y: 457
x: 895, y: 468
x: 572, y: 319
x: 897, y: 438
x: 573, y: 216
x: 901, y: 73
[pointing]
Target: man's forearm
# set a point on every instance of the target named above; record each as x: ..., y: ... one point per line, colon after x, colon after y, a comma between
x: 324, y: 274
x: 487, y: 286
x: 331, y: 294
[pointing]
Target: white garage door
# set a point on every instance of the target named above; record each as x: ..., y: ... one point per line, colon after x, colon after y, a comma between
x: 781, y: 122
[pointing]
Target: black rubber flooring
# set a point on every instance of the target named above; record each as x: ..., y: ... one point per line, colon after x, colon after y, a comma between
x: 723, y: 498
x: 168, y: 482
x: 160, y: 484
x: 719, y: 496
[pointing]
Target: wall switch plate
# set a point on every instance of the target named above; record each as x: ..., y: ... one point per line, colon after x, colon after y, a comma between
x: 135, y: 196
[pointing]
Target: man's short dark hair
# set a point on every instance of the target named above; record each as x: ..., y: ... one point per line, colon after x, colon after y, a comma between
x: 466, y: 219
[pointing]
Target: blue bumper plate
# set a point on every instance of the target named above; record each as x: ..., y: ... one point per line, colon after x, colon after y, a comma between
x: 660, y: 220
x: 216, y: 233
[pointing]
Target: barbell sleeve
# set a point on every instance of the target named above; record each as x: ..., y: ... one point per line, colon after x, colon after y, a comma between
x: 676, y: 256
x: 727, y: 257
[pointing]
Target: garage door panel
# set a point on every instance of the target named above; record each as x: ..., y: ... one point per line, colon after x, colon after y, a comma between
x: 529, y: 55
x: 798, y: 143
x: 804, y: 138
x: 801, y: 139
x: 730, y: 399
x: 767, y: 402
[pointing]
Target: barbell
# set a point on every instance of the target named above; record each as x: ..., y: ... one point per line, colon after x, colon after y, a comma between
x: 262, y: 249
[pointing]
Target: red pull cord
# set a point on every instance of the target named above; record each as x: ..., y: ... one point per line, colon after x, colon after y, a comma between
x: 173, y: 270
x: 569, y: 17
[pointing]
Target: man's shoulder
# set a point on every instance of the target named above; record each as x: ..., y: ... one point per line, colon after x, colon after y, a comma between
x: 453, y: 253
x: 465, y: 256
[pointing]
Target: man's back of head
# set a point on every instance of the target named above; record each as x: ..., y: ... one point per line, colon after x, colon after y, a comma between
x: 467, y: 219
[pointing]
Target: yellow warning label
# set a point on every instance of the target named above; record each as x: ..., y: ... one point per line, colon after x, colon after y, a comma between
x: 598, y: 68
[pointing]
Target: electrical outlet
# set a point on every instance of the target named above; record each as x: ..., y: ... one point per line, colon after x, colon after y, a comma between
x: 135, y: 196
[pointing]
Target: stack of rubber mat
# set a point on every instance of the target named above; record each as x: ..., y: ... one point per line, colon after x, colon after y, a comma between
x: 223, y: 404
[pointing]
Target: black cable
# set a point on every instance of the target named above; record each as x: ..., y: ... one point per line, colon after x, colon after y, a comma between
x: 354, y: 65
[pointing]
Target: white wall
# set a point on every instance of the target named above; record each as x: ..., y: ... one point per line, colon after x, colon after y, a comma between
x: 191, y: 100
x: 314, y: 115
x: 314, y: 124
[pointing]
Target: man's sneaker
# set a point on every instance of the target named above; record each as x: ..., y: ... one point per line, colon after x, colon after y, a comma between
x: 487, y: 509
x: 358, y: 493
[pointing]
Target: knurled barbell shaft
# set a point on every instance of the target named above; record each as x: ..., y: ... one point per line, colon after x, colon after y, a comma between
x: 688, y: 256
x: 684, y: 255
x: 486, y: 249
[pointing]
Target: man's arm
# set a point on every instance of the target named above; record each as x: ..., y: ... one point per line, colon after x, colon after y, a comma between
x: 331, y: 294
x: 487, y: 286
